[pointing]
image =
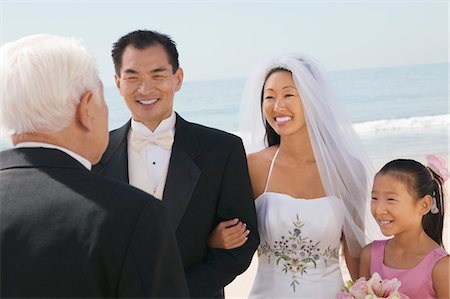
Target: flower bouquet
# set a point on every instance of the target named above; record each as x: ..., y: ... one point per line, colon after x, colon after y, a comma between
x: 374, y: 288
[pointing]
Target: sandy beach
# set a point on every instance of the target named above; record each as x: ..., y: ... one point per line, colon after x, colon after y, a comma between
x: 241, y: 286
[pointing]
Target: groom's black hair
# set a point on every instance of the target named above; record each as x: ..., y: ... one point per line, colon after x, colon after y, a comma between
x: 142, y: 39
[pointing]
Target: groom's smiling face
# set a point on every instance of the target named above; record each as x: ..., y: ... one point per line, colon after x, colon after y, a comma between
x: 148, y: 84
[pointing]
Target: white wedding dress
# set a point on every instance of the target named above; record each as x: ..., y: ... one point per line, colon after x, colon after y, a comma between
x: 300, y: 240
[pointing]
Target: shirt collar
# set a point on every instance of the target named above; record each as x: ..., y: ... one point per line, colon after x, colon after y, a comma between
x: 165, y: 125
x: 74, y: 155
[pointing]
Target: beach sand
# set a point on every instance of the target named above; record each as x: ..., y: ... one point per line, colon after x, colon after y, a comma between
x: 241, y: 286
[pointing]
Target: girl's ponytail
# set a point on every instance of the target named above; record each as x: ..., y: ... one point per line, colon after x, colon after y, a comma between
x: 433, y: 222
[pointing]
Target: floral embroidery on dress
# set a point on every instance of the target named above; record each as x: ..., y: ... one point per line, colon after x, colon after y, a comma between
x: 297, y: 253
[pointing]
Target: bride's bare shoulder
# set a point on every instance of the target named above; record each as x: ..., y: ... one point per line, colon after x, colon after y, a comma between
x: 258, y: 167
x: 262, y: 157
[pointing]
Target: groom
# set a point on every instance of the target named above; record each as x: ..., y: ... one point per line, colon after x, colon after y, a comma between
x: 200, y: 174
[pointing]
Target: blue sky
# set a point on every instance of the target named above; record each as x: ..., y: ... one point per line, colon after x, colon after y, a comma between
x: 226, y: 39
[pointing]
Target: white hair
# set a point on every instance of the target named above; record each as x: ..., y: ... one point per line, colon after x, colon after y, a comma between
x: 42, y: 78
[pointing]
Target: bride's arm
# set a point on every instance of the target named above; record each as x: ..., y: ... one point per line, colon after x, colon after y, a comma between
x: 364, y: 262
x: 352, y: 262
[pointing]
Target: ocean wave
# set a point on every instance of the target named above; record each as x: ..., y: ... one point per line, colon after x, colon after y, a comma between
x: 410, y: 123
x: 397, y: 124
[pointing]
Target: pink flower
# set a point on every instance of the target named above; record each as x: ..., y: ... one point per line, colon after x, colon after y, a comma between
x: 359, y: 289
x: 344, y: 295
x: 383, y: 288
x: 437, y: 164
x: 374, y: 288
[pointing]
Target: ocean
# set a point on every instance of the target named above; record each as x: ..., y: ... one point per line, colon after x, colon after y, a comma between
x: 397, y: 111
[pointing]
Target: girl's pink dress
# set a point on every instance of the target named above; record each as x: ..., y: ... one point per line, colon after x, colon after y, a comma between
x: 416, y: 282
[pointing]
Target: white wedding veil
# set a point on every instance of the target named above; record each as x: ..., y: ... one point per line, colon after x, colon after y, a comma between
x: 344, y: 167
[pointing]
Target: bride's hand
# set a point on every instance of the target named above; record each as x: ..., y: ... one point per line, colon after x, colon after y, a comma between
x: 228, y: 235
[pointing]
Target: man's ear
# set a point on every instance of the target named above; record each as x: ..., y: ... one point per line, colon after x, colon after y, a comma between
x: 84, y: 110
x: 117, y: 81
x: 425, y: 204
x: 179, y: 77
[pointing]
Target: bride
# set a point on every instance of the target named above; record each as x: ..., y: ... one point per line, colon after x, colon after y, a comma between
x: 310, y: 178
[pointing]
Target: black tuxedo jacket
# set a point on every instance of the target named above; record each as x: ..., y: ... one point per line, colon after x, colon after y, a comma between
x: 207, y: 182
x: 67, y: 232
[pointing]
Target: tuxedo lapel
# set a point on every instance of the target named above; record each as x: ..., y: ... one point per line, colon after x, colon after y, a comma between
x: 114, y: 162
x: 183, y: 173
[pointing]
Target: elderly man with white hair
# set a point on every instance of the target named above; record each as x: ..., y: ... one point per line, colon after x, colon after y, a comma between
x: 67, y: 232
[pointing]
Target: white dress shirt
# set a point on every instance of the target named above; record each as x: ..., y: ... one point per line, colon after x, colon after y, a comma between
x: 147, y: 169
x: 74, y: 155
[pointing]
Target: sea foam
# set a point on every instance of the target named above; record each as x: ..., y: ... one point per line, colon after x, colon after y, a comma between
x: 403, y: 124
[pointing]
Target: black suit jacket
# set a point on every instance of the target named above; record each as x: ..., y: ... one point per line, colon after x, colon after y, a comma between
x: 67, y: 232
x: 207, y: 182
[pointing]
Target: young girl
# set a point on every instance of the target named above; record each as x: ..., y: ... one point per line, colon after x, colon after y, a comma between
x: 408, y: 203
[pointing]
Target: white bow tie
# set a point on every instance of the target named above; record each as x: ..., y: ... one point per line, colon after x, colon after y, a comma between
x: 163, y: 140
